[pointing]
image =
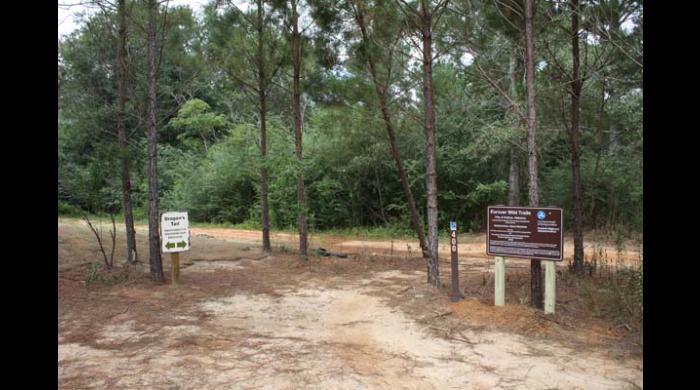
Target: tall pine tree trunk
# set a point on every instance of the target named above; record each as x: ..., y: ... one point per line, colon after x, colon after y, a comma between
x: 296, y: 107
x: 536, y: 285
x: 612, y: 133
x: 513, y: 178
x: 262, y: 94
x: 263, y: 175
x: 601, y: 145
x: 514, y: 172
x: 430, y: 140
x: 154, y: 257
x: 132, y: 255
x: 574, y: 140
x: 380, y: 90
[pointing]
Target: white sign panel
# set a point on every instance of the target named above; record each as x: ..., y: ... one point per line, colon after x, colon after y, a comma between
x: 175, y: 231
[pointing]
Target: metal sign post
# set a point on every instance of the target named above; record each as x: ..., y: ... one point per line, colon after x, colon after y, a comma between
x: 175, y: 236
x: 455, y: 295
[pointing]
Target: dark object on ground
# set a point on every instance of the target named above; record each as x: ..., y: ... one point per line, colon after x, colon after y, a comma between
x: 323, y: 252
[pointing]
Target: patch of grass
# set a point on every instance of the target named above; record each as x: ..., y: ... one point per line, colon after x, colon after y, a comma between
x: 246, y: 225
x: 372, y: 232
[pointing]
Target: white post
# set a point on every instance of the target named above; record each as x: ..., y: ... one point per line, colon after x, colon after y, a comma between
x: 550, y: 275
x: 500, y: 281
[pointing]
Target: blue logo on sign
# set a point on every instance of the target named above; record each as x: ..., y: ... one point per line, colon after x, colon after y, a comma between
x: 453, y: 225
x: 540, y: 214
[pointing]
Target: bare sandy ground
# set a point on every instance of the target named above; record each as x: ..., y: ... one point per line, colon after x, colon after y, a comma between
x: 266, y: 325
x: 321, y: 337
x: 472, y: 246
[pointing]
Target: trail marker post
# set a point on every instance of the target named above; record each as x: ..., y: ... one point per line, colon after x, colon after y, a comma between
x: 455, y: 295
x: 530, y: 233
x: 175, y: 237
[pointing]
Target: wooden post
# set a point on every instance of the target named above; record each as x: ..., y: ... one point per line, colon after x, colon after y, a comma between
x: 175, y: 257
x: 550, y: 275
x: 500, y: 281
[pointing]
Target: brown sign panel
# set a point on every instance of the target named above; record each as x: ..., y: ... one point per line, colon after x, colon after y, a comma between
x: 529, y: 232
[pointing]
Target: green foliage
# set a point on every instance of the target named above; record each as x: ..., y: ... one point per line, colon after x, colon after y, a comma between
x: 614, y: 190
x: 68, y: 210
x: 218, y: 188
x: 481, y: 197
x: 208, y: 152
x: 198, y: 125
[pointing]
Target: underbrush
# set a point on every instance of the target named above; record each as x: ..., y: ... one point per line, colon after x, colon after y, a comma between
x: 68, y: 210
x: 612, y: 290
x: 99, y: 274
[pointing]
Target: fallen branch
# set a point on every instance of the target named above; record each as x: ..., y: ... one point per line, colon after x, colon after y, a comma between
x: 462, y: 340
x: 442, y: 314
x: 354, y: 322
x: 120, y: 313
x: 325, y: 253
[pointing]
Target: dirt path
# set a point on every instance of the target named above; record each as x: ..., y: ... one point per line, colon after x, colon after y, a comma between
x: 237, y: 322
x: 472, y: 246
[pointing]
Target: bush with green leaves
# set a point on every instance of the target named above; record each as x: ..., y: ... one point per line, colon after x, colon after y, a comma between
x: 208, y: 123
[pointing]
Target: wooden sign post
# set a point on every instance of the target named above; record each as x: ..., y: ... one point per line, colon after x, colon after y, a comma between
x: 175, y: 274
x: 175, y: 236
x: 550, y: 277
x: 527, y: 232
x: 499, y: 271
x: 455, y: 295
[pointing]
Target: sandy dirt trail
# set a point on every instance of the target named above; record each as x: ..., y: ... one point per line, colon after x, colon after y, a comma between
x: 304, y: 331
x: 340, y: 337
x: 471, y: 246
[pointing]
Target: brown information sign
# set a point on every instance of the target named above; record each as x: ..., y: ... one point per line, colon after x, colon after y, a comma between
x: 530, y: 232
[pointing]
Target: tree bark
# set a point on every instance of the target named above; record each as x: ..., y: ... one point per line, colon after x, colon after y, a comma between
x: 262, y: 94
x: 296, y: 107
x: 430, y: 140
x: 592, y: 220
x: 154, y: 257
x: 131, y: 255
x: 575, y: 139
x: 514, y: 174
x: 513, y: 179
x: 612, y: 140
x: 536, y: 283
x: 416, y: 222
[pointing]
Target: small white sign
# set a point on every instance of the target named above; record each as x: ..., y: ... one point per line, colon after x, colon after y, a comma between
x: 175, y: 231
